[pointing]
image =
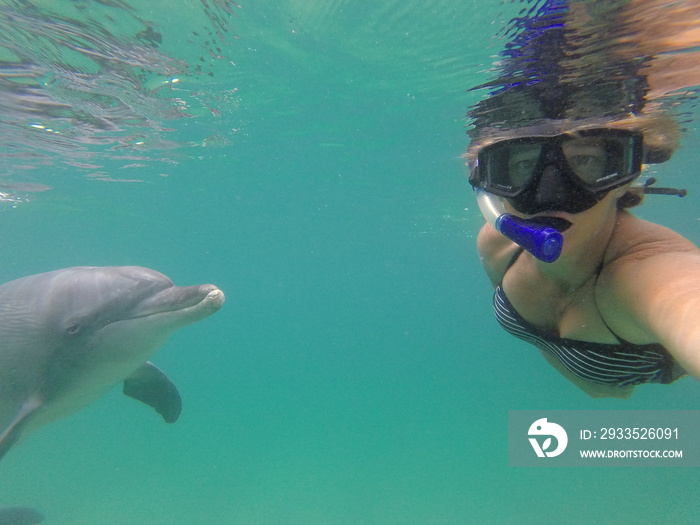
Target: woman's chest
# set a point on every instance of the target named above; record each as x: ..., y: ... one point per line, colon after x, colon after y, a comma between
x: 561, y: 312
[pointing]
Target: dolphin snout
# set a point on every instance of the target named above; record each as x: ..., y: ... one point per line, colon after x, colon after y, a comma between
x: 204, y: 298
x: 215, y: 297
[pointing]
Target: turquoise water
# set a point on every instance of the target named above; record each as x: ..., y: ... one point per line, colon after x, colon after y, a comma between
x: 356, y: 374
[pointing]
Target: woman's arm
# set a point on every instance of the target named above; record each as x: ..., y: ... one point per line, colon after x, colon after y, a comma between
x: 654, y: 296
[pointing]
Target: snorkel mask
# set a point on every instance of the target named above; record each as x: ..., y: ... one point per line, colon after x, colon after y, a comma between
x: 569, y: 172
x: 562, y: 171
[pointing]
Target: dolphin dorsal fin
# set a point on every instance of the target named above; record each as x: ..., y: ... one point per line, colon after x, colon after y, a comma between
x: 151, y: 386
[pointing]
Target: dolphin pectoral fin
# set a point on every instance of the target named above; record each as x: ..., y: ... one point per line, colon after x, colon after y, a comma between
x: 13, y: 431
x: 20, y: 516
x: 151, y: 386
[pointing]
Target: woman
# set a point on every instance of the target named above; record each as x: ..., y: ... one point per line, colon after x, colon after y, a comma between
x: 629, y: 287
x: 620, y: 306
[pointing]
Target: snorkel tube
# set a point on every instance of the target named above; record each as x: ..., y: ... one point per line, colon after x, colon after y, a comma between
x: 544, y: 242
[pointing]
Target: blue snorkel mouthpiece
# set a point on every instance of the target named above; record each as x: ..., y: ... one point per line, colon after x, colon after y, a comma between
x: 544, y: 242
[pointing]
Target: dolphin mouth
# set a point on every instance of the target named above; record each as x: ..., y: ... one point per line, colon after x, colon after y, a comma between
x: 195, y: 300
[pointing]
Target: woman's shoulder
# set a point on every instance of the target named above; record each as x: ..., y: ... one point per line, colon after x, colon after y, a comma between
x: 495, y: 252
x: 644, y: 261
x: 635, y: 240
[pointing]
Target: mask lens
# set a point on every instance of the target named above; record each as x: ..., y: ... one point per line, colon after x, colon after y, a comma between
x: 600, y: 162
x: 507, y: 167
x: 587, y: 159
x: 599, y: 158
x: 523, y: 161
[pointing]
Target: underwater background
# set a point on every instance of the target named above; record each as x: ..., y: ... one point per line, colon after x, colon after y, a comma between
x: 304, y: 156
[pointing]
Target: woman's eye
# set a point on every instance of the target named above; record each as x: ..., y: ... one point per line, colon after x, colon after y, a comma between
x: 523, y: 166
x: 586, y: 161
x: 526, y: 164
x: 582, y: 160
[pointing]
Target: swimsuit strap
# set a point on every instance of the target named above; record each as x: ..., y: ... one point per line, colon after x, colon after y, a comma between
x: 623, y: 342
x: 517, y: 254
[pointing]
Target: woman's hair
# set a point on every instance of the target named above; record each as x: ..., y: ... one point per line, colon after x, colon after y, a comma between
x: 662, y: 134
x: 632, y: 197
x: 571, y: 65
x: 574, y: 65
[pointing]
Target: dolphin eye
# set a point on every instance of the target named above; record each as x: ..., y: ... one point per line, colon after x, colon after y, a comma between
x: 73, y: 328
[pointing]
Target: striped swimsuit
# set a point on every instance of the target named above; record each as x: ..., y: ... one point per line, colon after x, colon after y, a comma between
x: 612, y: 364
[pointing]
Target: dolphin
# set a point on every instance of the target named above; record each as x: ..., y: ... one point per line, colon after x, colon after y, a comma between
x: 68, y: 336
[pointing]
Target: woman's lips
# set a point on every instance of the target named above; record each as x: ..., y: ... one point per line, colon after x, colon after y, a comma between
x: 553, y: 222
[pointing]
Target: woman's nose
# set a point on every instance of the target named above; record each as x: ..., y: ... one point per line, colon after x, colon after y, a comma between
x: 551, y: 187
